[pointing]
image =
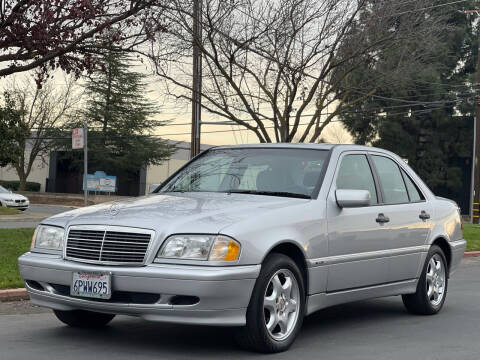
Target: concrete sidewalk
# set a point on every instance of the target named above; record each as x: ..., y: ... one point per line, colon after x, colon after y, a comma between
x: 30, y: 217
x: 67, y: 199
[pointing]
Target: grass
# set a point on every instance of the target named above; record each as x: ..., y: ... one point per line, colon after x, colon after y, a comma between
x: 8, y: 211
x: 471, y: 233
x: 13, y: 243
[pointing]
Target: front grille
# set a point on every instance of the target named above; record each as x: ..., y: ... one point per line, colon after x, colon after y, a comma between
x: 107, y: 246
x: 19, y: 201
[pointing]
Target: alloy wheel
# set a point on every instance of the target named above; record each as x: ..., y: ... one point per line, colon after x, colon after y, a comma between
x: 281, y: 305
x: 436, y: 277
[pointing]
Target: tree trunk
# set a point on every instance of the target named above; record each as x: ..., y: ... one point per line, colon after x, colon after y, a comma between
x: 23, y: 182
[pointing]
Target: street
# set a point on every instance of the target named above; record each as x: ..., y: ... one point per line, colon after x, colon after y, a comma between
x: 33, y: 215
x: 374, y: 329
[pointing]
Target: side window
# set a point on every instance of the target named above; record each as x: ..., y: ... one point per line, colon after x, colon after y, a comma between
x: 415, y: 194
x: 391, y: 179
x: 355, y: 174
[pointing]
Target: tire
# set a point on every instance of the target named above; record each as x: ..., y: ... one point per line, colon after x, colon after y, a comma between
x: 432, y: 285
x: 83, y: 319
x: 271, y: 303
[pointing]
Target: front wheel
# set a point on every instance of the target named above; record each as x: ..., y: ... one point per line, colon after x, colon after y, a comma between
x: 83, y: 318
x: 277, y: 307
x: 432, y: 285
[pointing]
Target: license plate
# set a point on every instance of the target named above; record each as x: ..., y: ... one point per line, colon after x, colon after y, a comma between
x: 91, y: 284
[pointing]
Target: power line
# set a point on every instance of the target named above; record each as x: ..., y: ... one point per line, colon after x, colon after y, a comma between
x: 428, y: 8
x: 311, y: 76
x: 368, y: 112
x: 423, y: 111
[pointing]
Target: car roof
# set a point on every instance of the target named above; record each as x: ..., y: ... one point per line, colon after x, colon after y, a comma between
x: 342, y: 147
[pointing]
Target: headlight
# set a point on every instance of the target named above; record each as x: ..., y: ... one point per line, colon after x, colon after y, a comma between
x: 200, y: 247
x: 48, y: 237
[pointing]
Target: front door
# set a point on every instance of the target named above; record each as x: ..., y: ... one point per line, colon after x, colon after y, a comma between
x: 358, y: 241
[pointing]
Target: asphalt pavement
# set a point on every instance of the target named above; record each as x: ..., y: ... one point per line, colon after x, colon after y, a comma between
x: 32, y: 216
x: 370, y: 330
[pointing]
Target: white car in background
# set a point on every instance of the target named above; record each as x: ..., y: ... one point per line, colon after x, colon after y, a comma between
x: 11, y: 200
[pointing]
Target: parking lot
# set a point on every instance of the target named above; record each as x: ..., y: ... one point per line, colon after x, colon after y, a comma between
x: 375, y: 329
x: 33, y: 216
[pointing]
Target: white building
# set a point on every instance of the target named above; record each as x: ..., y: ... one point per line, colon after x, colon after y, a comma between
x: 52, y: 180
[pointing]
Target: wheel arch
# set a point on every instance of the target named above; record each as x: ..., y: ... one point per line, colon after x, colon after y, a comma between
x: 296, y: 253
x: 443, y: 244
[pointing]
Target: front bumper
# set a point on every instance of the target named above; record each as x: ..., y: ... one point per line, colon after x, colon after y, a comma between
x: 18, y: 205
x: 223, y: 292
x: 458, y: 249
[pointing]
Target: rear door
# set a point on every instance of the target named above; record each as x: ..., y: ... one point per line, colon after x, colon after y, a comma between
x: 408, y: 212
x: 358, y: 244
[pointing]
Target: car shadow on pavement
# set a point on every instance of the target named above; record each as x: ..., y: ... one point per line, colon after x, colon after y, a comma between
x: 129, y: 335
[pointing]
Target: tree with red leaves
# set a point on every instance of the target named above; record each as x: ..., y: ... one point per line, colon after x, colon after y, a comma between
x: 68, y: 34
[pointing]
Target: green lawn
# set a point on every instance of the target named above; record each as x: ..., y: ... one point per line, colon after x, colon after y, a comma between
x: 471, y: 233
x: 13, y: 243
x: 8, y: 211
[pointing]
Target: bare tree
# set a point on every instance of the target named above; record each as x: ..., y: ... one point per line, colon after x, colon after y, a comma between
x: 45, y: 35
x: 43, y: 113
x: 274, y: 67
x: 335, y: 133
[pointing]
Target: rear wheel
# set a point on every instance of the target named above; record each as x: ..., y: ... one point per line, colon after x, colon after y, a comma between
x: 277, y: 307
x: 432, y: 285
x: 83, y: 319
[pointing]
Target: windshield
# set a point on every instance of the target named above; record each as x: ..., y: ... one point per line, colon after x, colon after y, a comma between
x: 3, y: 190
x: 263, y: 171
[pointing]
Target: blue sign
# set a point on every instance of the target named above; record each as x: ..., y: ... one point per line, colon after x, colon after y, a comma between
x: 100, y: 182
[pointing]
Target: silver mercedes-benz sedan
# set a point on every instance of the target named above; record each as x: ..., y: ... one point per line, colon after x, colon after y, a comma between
x: 255, y: 237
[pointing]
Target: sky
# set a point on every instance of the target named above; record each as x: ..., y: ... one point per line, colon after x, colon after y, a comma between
x: 178, y: 115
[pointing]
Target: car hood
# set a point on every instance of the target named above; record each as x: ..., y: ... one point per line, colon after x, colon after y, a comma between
x: 176, y: 212
x: 4, y: 196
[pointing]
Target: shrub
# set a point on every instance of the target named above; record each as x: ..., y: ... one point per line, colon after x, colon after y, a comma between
x: 13, y: 185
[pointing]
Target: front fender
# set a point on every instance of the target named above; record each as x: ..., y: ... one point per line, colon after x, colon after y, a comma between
x: 303, y: 225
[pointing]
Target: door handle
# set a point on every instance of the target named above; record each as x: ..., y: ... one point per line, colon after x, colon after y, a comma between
x: 424, y: 216
x: 381, y: 219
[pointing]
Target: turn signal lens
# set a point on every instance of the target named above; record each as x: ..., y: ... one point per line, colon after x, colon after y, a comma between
x: 32, y: 245
x: 224, y: 249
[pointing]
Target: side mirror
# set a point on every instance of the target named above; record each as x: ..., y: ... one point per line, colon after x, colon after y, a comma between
x: 152, y: 188
x: 352, y: 198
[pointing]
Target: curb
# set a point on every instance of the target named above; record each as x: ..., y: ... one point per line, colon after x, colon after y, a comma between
x: 21, y: 293
x: 68, y: 206
x: 13, y: 295
x: 471, y: 253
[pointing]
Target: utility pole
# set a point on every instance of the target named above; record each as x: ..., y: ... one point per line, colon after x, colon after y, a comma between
x: 85, y: 163
x: 197, y: 79
x: 475, y: 161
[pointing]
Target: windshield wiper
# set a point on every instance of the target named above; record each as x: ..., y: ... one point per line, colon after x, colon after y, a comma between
x: 270, y: 193
x: 172, y: 191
